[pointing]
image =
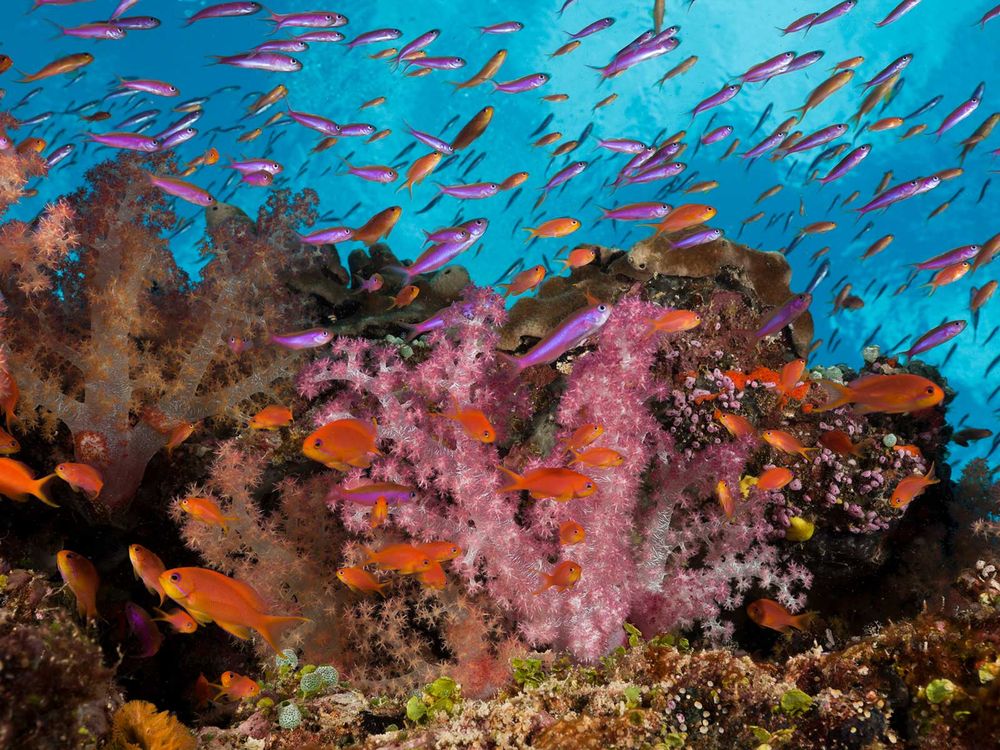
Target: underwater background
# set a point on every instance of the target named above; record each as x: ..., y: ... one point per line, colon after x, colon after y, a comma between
x: 431, y: 480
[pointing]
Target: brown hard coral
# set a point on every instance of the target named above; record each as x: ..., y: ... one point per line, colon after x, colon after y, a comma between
x: 139, y: 726
x: 768, y: 274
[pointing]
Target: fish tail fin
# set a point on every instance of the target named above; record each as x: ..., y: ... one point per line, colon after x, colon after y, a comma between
x: 546, y: 583
x: 59, y: 29
x: 270, y: 627
x: 803, y: 621
x: 576, y: 456
x: 38, y: 490
x: 412, y: 331
x: 518, y: 480
x: 532, y: 232
x: 930, y: 477
x: 840, y: 395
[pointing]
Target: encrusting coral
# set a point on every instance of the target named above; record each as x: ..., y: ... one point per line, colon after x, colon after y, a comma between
x: 139, y: 726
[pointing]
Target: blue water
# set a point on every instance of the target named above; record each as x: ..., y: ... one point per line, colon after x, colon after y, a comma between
x: 952, y: 56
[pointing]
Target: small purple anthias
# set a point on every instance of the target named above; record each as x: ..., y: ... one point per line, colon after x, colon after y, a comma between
x: 442, y: 253
x: 569, y: 334
x: 784, y: 315
x: 329, y: 236
x: 308, y: 339
x: 935, y: 337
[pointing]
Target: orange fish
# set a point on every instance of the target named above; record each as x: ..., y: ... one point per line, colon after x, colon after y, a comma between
x: 440, y: 551
x: 206, y: 510
x: 378, y: 226
x: 473, y: 128
x: 948, y: 275
x: 725, y: 498
x: 600, y: 457
x: 840, y: 443
x: 31, y: 146
x: 342, y: 444
x: 556, y: 97
x: 547, y: 140
x: 403, y: 558
x: 237, y: 687
x: 17, y: 482
x: 434, y: 577
x: 524, y: 281
x: 178, y: 619
x: 179, y: 434
x: 583, y: 436
x: 570, y: 532
x: 514, y: 180
x: 672, y: 321
x: 774, y: 478
x: 684, y: 217
x: 81, y: 576
x: 560, y: 484
x: 405, y: 296
x: 8, y: 443
x: 420, y: 170
x: 9, y: 394
x: 769, y: 614
x: 579, y: 257
x: 911, y: 487
x: 379, y: 513
x: 737, y: 426
x: 147, y: 567
x: 563, y: 576
x: 271, y: 418
x: 560, y: 227
x: 889, y: 394
x: 65, y: 64
x: 785, y: 442
x: 234, y: 606
x: 474, y: 423
x: 81, y: 477
x: 487, y: 72
x: 360, y: 580
x: 886, y: 123
x: 909, y: 449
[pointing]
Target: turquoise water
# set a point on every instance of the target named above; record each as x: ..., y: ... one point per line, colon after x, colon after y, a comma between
x: 951, y: 57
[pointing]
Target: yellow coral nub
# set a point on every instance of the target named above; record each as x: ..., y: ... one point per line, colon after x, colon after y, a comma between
x: 139, y: 726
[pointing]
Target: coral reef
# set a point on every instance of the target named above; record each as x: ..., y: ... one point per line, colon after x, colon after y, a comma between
x: 139, y: 726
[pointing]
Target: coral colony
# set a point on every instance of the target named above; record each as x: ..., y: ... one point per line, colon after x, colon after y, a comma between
x: 295, y: 503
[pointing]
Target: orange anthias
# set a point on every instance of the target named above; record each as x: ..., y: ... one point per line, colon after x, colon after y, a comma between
x: 672, y: 321
x: 774, y: 478
x: 737, y: 426
x: 554, y: 227
x: 434, y: 577
x: 9, y: 395
x: 440, y: 551
x: 271, y: 418
x: 8, y: 443
x: 178, y: 619
x: 237, y: 687
x: 405, y: 296
x: 81, y: 576
x: 570, y: 532
x: 685, y: 216
x: 234, y: 606
x: 909, y: 488
x: 524, y: 281
x: 474, y: 423
x: 769, y: 614
x: 889, y: 394
x: 147, y: 567
x: 206, y: 510
x: 360, y: 580
x: 785, y: 442
x: 599, y: 457
x: 725, y: 498
x: 579, y: 257
x: 379, y: 513
x: 559, y: 484
x: 403, y: 558
x: 583, y: 436
x: 342, y: 444
x: 563, y: 576
x: 18, y: 482
x: 81, y: 477
x: 840, y: 443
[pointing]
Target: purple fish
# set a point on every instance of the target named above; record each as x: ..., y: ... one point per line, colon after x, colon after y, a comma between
x: 765, y: 145
x: 373, y: 37
x: 317, y: 123
x: 799, y: 24
x: 123, y: 6
x: 282, y: 45
x: 99, y: 30
x: 656, y: 172
x: 950, y: 258
x: 926, y: 184
x: 137, y: 23
x: 820, y: 137
x: 520, y: 85
x: 183, y: 123
x: 565, y: 175
x: 621, y: 145
x: 473, y: 191
x: 721, y: 97
x: 783, y: 315
x: 569, y: 334
x: 156, y: 88
x: 635, y: 163
x: 373, y: 173
x: 183, y: 190
x: 698, y: 238
x: 176, y: 139
x: 416, y: 45
x: 663, y: 154
x: 138, y: 119
x: 593, y: 28
x: 803, y: 61
x: 637, y: 212
x: 224, y: 10
x: 308, y: 20
x: 330, y: 236
x: 129, y: 141
x: 448, y: 234
x: 442, y: 253
x: 308, y: 339
x: 357, y: 130
x: 898, y: 12
x: 143, y: 630
x: 768, y: 68
x: 889, y: 71
x: 632, y: 57
x: 258, y: 179
x: 960, y: 113
x: 437, y: 63
x: 989, y: 16
x: 848, y: 163
x: 507, y: 27
x: 640, y: 40
x: 322, y: 35
x: 935, y: 337
x: 58, y: 155
x: 838, y: 10
x: 271, y: 61
x: 394, y: 494
x: 889, y: 196
x: 430, y: 140
x: 719, y: 134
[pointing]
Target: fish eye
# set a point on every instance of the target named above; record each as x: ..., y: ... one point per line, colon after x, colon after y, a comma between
x: 175, y: 577
x: 589, y: 486
x: 70, y: 555
x: 602, y: 308
x: 317, y: 443
x: 930, y: 389
x: 486, y: 433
